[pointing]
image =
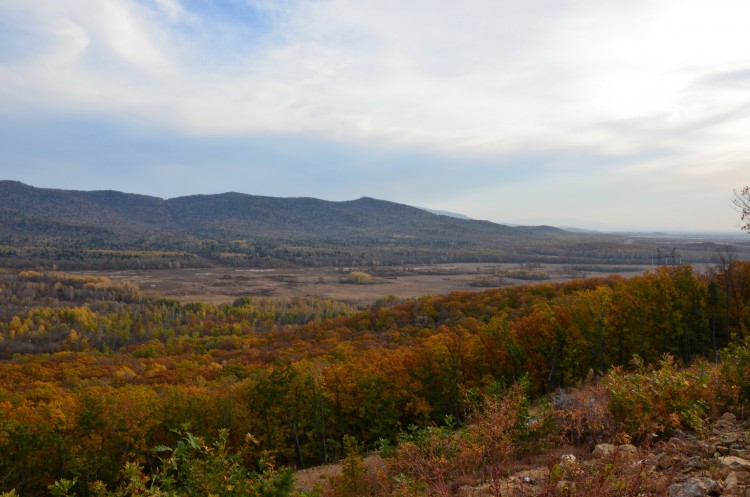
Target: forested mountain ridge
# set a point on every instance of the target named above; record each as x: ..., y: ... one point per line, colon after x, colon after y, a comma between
x: 230, y: 215
x: 71, y: 229
x: 34, y: 208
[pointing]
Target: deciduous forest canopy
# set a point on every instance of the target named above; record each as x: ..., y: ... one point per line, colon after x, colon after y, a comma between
x: 95, y: 374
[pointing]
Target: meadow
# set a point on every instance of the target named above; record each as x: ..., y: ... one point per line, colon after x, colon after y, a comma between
x: 225, y: 284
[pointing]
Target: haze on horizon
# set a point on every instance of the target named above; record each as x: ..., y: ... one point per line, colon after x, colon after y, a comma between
x: 604, y: 115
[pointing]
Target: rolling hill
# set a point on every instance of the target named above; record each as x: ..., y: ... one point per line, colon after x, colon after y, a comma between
x: 80, y: 229
x: 30, y: 211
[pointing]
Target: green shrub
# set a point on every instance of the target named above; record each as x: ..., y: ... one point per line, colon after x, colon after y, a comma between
x: 735, y: 368
x: 193, y: 467
x: 658, y: 400
x: 358, y: 278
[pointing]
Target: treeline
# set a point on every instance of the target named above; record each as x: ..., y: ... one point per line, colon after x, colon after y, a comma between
x: 101, y: 382
x: 173, y: 252
x: 81, y: 256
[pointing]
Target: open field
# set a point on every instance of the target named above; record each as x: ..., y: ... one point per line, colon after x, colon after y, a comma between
x: 221, y: 285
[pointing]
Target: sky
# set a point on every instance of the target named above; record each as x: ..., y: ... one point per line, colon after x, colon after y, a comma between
x: 606, y: 114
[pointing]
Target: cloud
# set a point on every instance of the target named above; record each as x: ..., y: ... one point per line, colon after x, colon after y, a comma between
x: 476, y: 77
x: 476, y: 95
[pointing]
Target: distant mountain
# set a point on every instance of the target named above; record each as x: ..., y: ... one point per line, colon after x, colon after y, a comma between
x: 446, y: 213
x: 110, y: 229
x: 32, y: 212
x: 574, y: 229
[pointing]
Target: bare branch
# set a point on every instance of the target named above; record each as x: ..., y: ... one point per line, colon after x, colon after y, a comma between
x: 741, y: 201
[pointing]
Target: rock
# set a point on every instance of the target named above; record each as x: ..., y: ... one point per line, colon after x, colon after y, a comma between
x: 695, y: 487
x: 731, y: 483
x: 728, y: 417
x: 628, y: 451
x: 666, y: 461
x: 694, y: 463
x: 568, y: 462
x: 567, y: 459
x: 562, y: 400
x: 603, y: 450
x: 675, y: 442
x: 739, y: 466
x: 722, y: 450
x: 651, y: 460
x: 708, y: 449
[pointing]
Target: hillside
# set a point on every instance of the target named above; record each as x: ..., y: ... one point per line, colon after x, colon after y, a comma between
x: 454, y: 390
x: 232, y: 215
x: 108, y: 229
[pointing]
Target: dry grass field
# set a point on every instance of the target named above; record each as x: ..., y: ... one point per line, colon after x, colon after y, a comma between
x: 222, y: 285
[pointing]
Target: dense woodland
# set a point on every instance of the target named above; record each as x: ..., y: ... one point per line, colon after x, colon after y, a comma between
x: 94, y: 375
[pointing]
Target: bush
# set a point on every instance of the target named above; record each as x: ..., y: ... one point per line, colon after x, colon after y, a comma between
x: 499, y: 430
x: 583, y: 414
x: 610, y: 477
x: 194, y: 467
x: 430, y: 458
x: 355, y: 479
x: 735, y: 368
x: 358, y: 278
x: 658, y: 400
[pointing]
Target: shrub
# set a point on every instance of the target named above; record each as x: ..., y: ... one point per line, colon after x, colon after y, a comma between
x: 658, y: 400
x: 735, y: 369
x: 612, y: 476
x: 355, y: 479
x: 429, y: 459
x: 194, y: 467
x: 503, y: 427
x: 583, y: 414
x: 358, y: 278
x: 500, y: 428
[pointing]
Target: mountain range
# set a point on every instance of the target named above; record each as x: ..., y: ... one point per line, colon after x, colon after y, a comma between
x: 30, y: 212
x: 79, y: 229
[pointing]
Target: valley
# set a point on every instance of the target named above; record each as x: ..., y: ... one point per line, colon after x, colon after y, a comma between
x: 162, y: 347
x: 220, y: 285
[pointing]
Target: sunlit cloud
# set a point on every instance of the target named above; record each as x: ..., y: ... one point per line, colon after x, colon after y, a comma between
x: 653, y: 95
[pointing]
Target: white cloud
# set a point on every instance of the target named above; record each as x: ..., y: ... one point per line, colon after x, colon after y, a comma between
x: 173, y: 10
x: 478, y: 76
x: 660, y: 84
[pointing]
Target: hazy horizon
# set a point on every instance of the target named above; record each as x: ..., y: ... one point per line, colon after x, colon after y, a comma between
x: 605, y: 115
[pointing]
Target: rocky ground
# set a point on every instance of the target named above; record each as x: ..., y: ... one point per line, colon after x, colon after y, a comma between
x: 686, y: 465
x: 714, y: 463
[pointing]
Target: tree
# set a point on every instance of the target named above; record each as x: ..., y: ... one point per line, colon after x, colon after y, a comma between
x: 741, y: 200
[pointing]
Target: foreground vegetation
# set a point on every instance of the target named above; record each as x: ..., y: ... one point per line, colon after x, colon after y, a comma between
x: 109, y: 393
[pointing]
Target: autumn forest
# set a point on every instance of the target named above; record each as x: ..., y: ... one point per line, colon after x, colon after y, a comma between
x: 94, y: 375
